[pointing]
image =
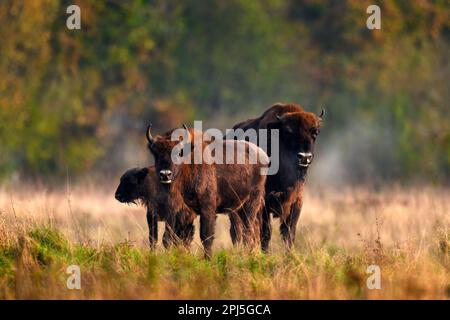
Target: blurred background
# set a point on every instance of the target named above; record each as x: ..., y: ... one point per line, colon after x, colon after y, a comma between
x: 76, y: 102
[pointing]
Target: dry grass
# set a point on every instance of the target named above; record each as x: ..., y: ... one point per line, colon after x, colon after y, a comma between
x: 341, y: 232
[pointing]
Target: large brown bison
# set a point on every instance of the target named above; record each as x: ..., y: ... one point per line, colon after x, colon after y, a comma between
x: 298, y: 131
x: 142, y: 185
x: 210, y: 188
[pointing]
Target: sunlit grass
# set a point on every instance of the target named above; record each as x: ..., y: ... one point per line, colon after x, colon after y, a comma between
x: 405, y: 232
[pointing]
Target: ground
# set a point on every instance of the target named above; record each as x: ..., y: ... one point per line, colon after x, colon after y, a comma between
x: 342, y: 231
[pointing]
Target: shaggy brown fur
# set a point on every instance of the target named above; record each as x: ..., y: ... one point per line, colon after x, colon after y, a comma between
x: 236, y: 189
x: 142, y: 185
x: 298, y: 130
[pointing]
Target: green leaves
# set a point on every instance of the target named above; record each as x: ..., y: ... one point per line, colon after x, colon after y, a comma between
x: 69, y: 100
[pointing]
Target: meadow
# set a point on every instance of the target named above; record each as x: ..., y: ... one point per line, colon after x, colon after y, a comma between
x: 405, y: 231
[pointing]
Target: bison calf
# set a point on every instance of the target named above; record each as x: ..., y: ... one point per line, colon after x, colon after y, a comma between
x: 142, y: 185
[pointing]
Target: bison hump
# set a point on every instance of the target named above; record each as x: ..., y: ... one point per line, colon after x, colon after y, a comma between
x: 270, y: 115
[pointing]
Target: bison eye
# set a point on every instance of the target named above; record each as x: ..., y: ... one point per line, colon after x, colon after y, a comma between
x: 315, y: 132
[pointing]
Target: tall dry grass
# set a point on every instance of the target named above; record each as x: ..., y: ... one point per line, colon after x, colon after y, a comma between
x: 406, y: 231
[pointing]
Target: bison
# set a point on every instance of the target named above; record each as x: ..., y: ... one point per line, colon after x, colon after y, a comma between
x: 298, y: 131
x: 142, y: 185
x: 211, y: 188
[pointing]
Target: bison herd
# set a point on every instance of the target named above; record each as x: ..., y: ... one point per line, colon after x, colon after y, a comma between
x: 176, y: 192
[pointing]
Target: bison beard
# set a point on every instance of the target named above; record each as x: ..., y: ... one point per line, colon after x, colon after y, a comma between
x: 284, y: 190
x: 235, y: 189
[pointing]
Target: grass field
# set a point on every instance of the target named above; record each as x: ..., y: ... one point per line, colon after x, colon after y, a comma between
x: 341, y: 232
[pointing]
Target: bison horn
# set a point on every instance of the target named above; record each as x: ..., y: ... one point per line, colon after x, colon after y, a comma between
x: 322, y: 113
x: 278, y: 117
x: 148, y: 133
x: 187, y: 130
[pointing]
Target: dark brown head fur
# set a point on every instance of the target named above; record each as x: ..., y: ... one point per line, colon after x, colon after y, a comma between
x: 132, y: 186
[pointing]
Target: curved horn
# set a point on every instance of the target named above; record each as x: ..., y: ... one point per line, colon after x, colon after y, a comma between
x: 322, y: 113
x: 148, y: 134
x: 278, y: 117
x: 187, y: 130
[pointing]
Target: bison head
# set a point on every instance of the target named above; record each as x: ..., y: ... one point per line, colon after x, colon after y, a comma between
x: 298, y: 134
x: 162, y: 148
x: 131, y: 186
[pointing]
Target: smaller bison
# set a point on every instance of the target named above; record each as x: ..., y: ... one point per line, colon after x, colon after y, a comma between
x: 210, y: 188
x: 141, y: 185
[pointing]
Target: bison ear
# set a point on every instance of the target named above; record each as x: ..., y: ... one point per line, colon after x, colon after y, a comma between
x: 275, y: 123
x: 141, y: 174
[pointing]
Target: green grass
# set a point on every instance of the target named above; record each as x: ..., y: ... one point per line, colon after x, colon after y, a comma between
x: 35, y: 266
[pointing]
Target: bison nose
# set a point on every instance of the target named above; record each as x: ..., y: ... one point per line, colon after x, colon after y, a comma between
x: 304, y: 159
x: 165, y: 176
x: 118, y: 196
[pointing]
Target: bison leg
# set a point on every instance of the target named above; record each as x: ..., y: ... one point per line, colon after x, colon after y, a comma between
x: 207, y: 225
x: 152, y: 221
x: 235, y: 228
x: 289, y: 225
x: 266, y: 229
x: 184, y: 227
x: 250, y: 217
x: 186, y: 233
x: 170, y: 237
x: 190, y: 234
x: 179, y: 231
x: 166, y: 238
x: 249, y: 231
